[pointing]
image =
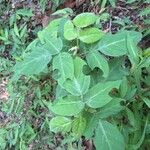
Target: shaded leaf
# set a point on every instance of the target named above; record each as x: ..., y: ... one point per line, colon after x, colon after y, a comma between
x: 78, y: 66
x: 25, y: 12
x: 139, y: 143
x: 112, y: 108
x: 132, y: 51
x: 95, y: 59
x: 112, y: 2
x: 108, y: 137
x: 117, y: 65
x: 146, y: 101
x: 123, y: 87
x: 92, y: 121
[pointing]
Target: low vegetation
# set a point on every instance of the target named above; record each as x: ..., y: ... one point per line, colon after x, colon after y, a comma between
x: 75, y: 80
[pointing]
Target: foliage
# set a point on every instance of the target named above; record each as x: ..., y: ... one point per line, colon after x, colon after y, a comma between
x: 78, y: 80
x: 86, y: 95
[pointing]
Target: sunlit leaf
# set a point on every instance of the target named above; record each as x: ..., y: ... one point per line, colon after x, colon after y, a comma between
x: 33, y: 63
x: 64, y: 63
x: 60, y: 124
x: 70, y: 32
x: 98, y: 96
x: 78, y: 126
x: 84, y: 19
x: 67, y: 106
x: 90, y: 35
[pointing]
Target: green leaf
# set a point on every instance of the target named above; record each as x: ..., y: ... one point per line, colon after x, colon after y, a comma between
x: 115, y: 44
x: 78, y: 126
x: 78, y: 66
x: 49, y: 39
x: 95, y: 59
x: 25, y: 12
x: 16, y: 30
x: 123, y: 87
x: 84, y: 19
x: 146, y: 101
x: 68, y: 106
x: 64, y: 63
x: 77, y: 86
x: 130, y: 1
x: 60, y: 92
x: 135, y: 36
x: 52, y: 28
x: 139, y: 143
x: 132, y: 51
x: 98, y: 96
x: 112, y: 108
x: 112, y: 2
x: 50, y: 32
x: 54, y: 45
x: 33, y: 63
x: 92, y: 121
x: 145, y: 11
x: 90, y: 35
x: 60, y: 124
x: 116, y: 69
x: 70, y: 32
x: 62, y: 12
x: 108, y: 137
x: 131, y: 117
x: 80, y: 83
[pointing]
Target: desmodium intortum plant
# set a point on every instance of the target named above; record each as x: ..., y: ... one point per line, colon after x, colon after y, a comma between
x: 98, y: 78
